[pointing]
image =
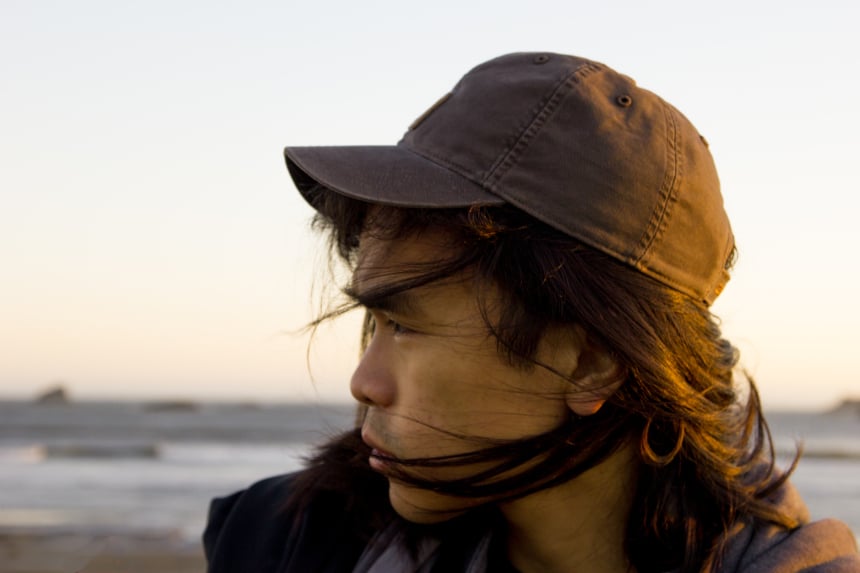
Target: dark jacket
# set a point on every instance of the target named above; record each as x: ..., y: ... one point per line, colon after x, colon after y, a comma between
x: 251, y: 532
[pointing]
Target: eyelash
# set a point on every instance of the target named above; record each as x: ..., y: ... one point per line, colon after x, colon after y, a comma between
x: 396, y: 327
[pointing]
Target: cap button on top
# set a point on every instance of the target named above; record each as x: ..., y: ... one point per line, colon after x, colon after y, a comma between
x: 541, y: 59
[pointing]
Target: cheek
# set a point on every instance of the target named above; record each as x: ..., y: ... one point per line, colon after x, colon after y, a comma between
x: 453, y: 394
x: 471, y: 389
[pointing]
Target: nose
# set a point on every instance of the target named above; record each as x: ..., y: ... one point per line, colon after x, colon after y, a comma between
x: 373, y: 381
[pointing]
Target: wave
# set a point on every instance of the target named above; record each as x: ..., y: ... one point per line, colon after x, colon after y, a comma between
x: 831, y: 454
x: 169, y: 452
x: 205, y: 453
x: 101, y: 450
x: 37, y: 453
x: 22, y: 454
x: 824, y: 450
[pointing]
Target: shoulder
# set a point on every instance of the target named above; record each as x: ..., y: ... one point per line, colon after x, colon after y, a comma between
x: 255, y: 504
x: 826, y: 546
x: 256, y: 529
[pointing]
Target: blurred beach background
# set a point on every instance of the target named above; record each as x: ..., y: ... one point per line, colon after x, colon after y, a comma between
x: 105, y: 487
x: 156, y: 263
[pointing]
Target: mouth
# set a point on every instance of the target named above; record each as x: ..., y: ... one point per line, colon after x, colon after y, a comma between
x: 379, y: 458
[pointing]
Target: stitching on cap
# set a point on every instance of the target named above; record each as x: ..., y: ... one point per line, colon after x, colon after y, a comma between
x: 484, y: 177
x: 509, y: 158
x: 668, y: 190
x: 660, y: 216
x: 509, y: 153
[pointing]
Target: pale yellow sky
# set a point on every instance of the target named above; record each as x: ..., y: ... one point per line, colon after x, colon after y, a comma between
x: 152, y: 245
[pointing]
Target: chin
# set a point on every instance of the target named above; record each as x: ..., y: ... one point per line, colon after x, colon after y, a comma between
x: 426, y: 507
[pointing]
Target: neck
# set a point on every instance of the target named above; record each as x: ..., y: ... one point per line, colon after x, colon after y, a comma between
x: 577, y: 526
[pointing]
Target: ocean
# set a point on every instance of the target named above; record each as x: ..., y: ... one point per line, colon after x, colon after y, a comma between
x: 152, y: 467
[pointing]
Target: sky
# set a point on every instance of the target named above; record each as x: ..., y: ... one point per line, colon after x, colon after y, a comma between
x: 152, y: 245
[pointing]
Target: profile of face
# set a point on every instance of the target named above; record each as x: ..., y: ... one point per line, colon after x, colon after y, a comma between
x: 435, y: 383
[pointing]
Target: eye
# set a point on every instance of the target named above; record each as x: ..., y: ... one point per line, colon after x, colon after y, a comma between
x: 382, y: 321
x: 397, y: 328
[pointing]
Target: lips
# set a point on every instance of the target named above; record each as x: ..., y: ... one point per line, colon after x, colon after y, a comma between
x: 379, y: 458
x: 382, y: 454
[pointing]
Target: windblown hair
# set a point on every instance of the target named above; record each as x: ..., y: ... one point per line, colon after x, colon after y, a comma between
x: 704, y: 453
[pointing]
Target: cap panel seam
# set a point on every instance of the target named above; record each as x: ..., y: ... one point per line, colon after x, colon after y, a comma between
x: 510, y: 156
x: 668, y: 191
x: 483, y: 177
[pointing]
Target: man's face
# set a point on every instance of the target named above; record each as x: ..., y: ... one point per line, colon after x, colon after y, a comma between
x: 434, y: 380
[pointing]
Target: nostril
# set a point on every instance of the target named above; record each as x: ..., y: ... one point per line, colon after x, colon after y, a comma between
x: 360, y: 396
x: 358, y: 388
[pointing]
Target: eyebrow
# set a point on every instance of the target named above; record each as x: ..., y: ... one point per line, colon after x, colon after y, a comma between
x: 403, y: 302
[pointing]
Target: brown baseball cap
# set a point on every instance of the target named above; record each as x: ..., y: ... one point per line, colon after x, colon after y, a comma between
x: 570, y: 142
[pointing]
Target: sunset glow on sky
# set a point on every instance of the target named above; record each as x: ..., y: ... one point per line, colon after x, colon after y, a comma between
x: 152, y: 243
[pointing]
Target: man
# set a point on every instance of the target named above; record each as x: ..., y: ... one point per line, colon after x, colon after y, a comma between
x: 543, y: 387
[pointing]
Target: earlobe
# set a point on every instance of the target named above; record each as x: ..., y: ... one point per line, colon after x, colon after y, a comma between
x: 598, y: 375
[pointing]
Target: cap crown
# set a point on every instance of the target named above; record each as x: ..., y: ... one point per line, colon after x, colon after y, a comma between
x: 583, y: 149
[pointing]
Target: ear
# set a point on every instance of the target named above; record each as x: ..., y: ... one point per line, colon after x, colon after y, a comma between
x: 597, y: 376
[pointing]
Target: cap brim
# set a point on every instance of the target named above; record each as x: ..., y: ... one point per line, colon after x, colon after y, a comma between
x: 386, y: 175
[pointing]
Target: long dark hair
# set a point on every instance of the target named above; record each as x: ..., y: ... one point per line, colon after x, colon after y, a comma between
x: 705, y: 456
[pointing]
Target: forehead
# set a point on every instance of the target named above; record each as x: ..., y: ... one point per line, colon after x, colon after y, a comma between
x: 383, y: 260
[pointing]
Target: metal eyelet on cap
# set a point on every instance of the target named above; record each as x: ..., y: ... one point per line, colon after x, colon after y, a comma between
x: 541, y: 59
x: 624, y: 100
